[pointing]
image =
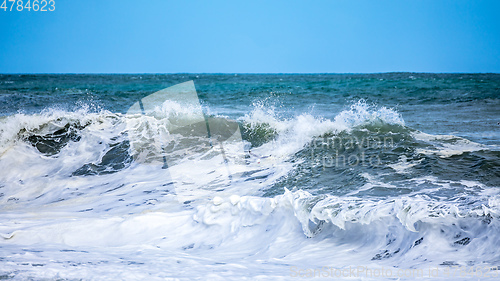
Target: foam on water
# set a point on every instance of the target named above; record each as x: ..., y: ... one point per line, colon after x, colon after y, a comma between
x: 448, y: 145
x: 71, y: 212
x: 221, y: 236
x: 291, y: 135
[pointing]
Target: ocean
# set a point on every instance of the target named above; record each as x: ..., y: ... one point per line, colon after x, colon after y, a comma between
x: 392, y: 176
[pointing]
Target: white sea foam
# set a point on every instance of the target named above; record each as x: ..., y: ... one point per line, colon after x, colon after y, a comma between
x: 448, y: 145
x: 403, y: 165
x: 293, y: 134
x: 252, y: 236
x: 131, y: 225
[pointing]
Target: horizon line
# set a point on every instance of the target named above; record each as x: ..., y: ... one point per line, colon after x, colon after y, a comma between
x: 237, y: 73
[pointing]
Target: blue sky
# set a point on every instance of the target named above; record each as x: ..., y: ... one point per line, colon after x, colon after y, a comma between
x: 274, y: 36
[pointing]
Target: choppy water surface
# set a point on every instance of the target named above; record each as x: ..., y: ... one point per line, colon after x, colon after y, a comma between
x: 396, y: 171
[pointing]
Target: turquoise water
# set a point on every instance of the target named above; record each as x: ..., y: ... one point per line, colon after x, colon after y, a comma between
x: 396, y: 170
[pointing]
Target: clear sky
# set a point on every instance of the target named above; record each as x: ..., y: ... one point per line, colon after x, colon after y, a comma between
x: 252, y: 36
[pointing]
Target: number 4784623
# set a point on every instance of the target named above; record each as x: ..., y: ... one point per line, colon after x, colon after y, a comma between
x: 35, y: 5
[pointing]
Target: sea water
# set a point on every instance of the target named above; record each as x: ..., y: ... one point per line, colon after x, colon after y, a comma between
x: 365, y: 177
